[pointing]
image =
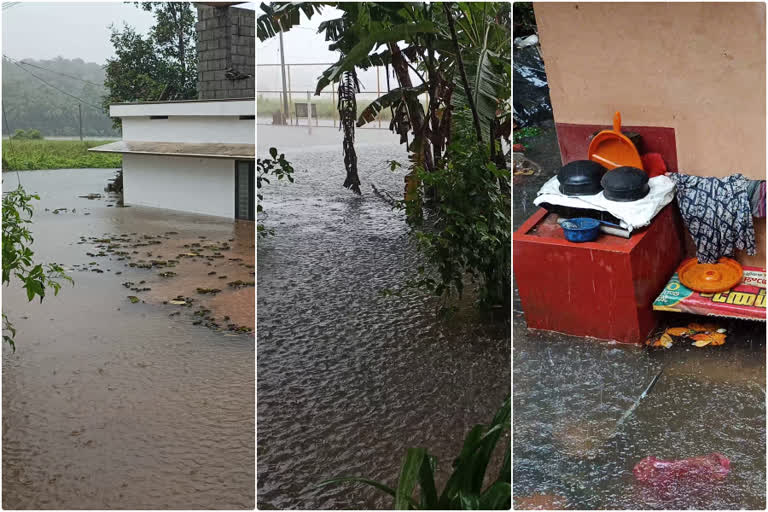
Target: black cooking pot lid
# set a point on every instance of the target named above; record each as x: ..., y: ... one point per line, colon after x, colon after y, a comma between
x: 580, y: 178
x: 625, y: 184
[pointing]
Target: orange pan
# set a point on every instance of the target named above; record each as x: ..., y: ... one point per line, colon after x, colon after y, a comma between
x: 612, y: 149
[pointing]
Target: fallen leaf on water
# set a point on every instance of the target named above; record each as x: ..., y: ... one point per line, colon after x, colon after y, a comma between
x: 177, y: 302
x: 714, y: 339
x: 703, y: 327
x: 678, y: 331
x: 664, y: 341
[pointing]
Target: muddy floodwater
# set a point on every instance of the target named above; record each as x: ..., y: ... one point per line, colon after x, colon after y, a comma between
x: 570, y: 392
x: 113, y: 402
x: 348, y: 379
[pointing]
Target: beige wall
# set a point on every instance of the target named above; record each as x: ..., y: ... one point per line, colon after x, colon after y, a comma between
x: 696, y: 67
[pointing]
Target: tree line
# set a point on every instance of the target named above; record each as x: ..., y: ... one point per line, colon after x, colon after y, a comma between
x: 30, y: 104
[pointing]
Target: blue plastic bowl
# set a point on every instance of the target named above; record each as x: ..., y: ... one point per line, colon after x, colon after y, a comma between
x: 580, y: 229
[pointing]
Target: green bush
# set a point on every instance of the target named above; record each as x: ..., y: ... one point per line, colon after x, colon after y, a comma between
x: 469, y: 229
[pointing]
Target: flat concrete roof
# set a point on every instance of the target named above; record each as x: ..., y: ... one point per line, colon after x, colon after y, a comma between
x: 251, y: 98
x: 229, y: 107
x: 190, y: 149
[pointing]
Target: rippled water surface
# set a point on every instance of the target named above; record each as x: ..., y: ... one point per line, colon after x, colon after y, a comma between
x: 569, y: 393
x: 347, y: 379
x: 110, y: 404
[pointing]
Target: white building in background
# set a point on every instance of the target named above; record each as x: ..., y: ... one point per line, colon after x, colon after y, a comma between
x: 195, y: 156
x: 198, y: 156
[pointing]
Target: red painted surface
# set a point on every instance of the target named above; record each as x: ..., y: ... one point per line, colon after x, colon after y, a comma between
x: 574, y: 141
x: 603, y: 289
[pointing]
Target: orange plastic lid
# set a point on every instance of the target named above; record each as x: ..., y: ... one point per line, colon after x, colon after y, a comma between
x: 710, y: 277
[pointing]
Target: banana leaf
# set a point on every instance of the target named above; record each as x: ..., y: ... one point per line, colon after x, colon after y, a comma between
x: 373, y: 39
x: 389, y: 99
x: 283, y: 16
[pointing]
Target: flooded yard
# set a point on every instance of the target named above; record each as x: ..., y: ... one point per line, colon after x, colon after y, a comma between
x: 109, y: 403
x: 570, y: 392
x: 348, y: 379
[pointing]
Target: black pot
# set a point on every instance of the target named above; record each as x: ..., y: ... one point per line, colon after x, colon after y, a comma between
x: 580, y: 178
x: 625, y: 184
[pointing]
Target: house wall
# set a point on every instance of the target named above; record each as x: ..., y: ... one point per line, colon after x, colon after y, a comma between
x: 697, y: 68
x: 226, y: 40
x: 230, y: 130
x: 195, y: 185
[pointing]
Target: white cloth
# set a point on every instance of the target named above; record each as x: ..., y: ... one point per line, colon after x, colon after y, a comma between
x: 632, y: 214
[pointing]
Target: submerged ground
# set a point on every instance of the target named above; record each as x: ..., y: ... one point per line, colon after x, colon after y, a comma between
x: 569, y: 392
x: 109, y: 403
x: 348, y: 379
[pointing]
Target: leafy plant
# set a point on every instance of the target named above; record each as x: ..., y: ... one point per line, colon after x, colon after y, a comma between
x: 464, y: 488
x: 277, y: 167
x: 18, y: 255
x: 529, y: 132
x: 467, y: 232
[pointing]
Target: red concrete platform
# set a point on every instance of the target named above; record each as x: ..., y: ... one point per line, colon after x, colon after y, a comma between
x: 603, y: 289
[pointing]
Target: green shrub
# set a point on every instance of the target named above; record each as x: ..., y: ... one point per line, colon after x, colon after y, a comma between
x: 469, y: 229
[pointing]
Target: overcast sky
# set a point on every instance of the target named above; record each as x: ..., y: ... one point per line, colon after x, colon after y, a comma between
x: 45, y: 30
x: 304, y: 45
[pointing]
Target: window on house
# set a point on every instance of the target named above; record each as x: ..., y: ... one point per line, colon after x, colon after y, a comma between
x: 245, y: 194
x: 158, y: 117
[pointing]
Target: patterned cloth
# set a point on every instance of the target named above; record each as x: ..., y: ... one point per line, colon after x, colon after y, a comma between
x: 753, y: 190
x: 717, y: 213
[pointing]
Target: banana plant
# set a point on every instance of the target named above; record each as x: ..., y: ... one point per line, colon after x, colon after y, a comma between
x: 464, y: 488
x: 415, y: 37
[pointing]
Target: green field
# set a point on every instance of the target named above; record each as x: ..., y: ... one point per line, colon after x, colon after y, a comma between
x: 26, y: 155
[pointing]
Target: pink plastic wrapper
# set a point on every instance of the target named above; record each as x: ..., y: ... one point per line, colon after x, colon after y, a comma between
x: 672, y: 473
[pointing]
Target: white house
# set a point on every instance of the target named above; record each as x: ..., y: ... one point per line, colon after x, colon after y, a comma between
x: 198, y: 155
x: 195, y: 156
